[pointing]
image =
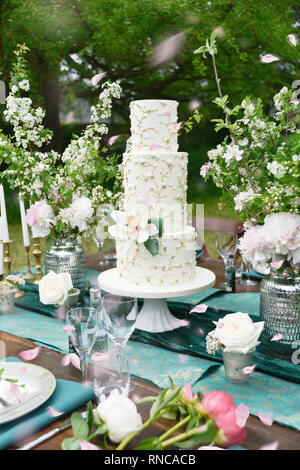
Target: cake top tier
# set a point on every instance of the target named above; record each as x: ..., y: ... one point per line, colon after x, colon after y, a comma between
x: 153, y: 126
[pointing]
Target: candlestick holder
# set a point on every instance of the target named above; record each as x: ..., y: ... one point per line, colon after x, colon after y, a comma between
x: 37, y: 253
x: 29, y: 276
x: 7, y: 261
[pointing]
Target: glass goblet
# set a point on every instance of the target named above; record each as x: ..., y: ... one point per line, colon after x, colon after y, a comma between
x: 248, y: 282
x: 103, y: 262
x: 111, y: 372
x: 84, y: 321
x: 119, y: 315
x: 226, y: 243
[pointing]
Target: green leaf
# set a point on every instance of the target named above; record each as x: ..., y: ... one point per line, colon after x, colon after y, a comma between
x: 146, y: 400
x: 205, y: 437
x: 90, y: 416
x: 79, y: 425
x: 158, y: 222
x: 1, y: 372
x: 152, y: 245
x: 48, y: 244
x: 70, y: 443
x: 152, y: 443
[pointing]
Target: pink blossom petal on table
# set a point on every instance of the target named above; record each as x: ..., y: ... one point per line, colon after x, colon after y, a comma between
x: 277, y: 264
x: 184, y: 322
x: 73, y: 359
x: 167, y: 49
x: 242, y: 415
x: 268, y: 58
x: 265, y: 419
x: 155, y: 147
x: 85, y: 445
x: 277, y: 337
x: 30, y: 354
x: 96, y: 78
x: 98, y: 356
x: 199, y: 308
x: 112, y: 139
x: 177, y: 126
x: 292, y: 39
x: 15, y: 391
x: 53, y: 412
x: 272, y: 446
x: 69, y: 328
x: 210, y: 448
x: 249, y: 369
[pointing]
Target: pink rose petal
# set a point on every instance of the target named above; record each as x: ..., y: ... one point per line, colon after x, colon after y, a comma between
x: 292, y: 39
x: 177, y: 126
x: 98, y: 356
x: 268, y: 58
x: 73, y: 359
x: 199, y: 308
x: 69, y: 328
x: 272, y: 446
x: 155, y: 147
x: 112, y: 139
x: 167, y: 49
x: 30, y: 354
x: 249, y: 370
x: 277, y: 337
x: 85, y: 445
x: 265, y: 419
x: 277, y: 264
x: 242, y: 415
x: 184, y: 322
x: 53, y: 412
x: 96, y: 78
x: 218, y: 324
x: 15, y: 391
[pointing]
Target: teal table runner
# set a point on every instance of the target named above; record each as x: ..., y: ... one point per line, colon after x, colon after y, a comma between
x: 66, y: 398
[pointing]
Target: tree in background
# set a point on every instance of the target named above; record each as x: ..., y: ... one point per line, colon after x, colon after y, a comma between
x: 72, y: 40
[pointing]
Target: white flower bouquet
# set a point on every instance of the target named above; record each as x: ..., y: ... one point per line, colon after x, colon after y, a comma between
x: 64, y: 191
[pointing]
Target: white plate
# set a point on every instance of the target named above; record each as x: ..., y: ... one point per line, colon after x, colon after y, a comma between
x: 38, y: 377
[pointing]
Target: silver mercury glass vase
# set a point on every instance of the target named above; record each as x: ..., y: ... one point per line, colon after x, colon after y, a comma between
x: 280, y: 310
x: 67, y: 256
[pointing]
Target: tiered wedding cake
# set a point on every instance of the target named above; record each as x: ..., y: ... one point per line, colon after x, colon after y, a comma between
x: 156, y: 173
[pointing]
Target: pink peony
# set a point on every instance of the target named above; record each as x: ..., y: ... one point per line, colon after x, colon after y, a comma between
x: 32, y: 214
x: 217, y: 403
x: 231, y: 433
x: 221, y: 408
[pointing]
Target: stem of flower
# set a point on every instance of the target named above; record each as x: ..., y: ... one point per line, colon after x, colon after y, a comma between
x: 174, y: 428
x: 180, y: 437
x: 128, y: 438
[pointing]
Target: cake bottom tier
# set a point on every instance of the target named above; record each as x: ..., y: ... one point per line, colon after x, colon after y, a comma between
x: 174, y: 264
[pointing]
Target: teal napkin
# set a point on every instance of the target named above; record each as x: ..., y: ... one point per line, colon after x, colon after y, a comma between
x: 66, y: 398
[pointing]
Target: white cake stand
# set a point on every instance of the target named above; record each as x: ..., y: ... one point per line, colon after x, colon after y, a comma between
x: 155, y: 316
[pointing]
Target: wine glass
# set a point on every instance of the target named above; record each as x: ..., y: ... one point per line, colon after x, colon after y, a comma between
x: 119, y: 314
x: 111, y: 372
x: 84, y: 321
x: 226, y: 243
x: 103, y: 262
x: 239, y: 267
x: 247, y: 282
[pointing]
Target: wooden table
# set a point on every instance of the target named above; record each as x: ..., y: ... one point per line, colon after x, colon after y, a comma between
x: 257, y: 433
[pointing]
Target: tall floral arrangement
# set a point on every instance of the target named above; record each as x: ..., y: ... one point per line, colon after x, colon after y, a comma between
x: 257, y: 168
x: 63, y: 190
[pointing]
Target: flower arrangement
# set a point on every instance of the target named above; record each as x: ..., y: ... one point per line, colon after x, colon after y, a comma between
x: 235, y: 332
x: 257, y: 168
x: 65, y: 190
x: 207, y: 419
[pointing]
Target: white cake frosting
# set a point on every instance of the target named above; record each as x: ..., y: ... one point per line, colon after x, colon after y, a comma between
x: 155, y: 172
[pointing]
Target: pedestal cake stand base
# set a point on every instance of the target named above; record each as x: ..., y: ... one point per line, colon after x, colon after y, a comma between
x: 155, y: 317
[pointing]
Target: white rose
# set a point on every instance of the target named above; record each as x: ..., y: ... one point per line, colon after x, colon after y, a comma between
x: 237, y: 332
x: 120, y: 415
x: 54, y: 288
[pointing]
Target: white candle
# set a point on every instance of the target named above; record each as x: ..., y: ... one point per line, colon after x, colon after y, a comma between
x: 24, y: 224
x: 5, y: 235
x: 1, y: 248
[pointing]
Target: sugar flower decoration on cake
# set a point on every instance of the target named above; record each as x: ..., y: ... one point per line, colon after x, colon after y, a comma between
x: 137, y: 227
x: 236, y: 332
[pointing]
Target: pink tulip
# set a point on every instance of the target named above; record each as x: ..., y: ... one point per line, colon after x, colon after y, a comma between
x: 32, y: 214
x: 231, y: 433
x: 217, y: 403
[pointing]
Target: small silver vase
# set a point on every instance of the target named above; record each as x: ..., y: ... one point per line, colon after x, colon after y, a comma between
x: 67, y: 256
x: 234, y: 363
x: 7, y: 302
x: 280, y: 310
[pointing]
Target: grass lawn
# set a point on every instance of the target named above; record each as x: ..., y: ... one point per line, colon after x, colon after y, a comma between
x: 210, y: 210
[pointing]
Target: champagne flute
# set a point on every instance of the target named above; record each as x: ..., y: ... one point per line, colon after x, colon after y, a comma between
x: 226, y: 243
x: 84, y: 321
